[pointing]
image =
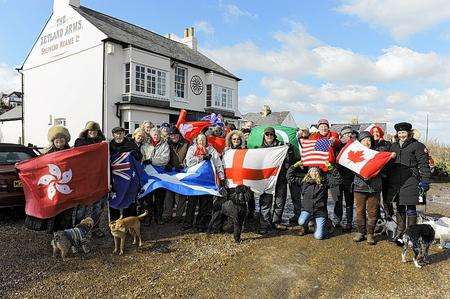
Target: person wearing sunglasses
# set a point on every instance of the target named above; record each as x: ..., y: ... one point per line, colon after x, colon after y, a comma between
x: 267, y: 221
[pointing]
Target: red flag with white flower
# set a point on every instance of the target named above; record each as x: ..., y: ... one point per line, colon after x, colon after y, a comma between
x: 61, y: 180
x: 362, y: 160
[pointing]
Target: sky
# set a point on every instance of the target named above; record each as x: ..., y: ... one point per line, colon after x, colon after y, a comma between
x: 376, y: 60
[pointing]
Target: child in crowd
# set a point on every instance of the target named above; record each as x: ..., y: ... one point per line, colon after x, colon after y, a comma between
x: 314, y: 198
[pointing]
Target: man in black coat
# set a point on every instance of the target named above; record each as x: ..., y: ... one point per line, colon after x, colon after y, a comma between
x: 409, y: 173
x: 121, y: 144
x: 266, y: 200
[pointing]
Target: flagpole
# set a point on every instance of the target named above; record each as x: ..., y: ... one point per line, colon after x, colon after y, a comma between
x: 109, y: 185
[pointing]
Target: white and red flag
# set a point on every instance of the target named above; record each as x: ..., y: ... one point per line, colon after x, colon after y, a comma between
x: 362, y: 160
x: 58, y: 181
x: 255, y: 168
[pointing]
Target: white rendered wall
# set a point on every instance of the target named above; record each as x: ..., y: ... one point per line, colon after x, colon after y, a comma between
x: 63, y: 76
x: 10, y: 131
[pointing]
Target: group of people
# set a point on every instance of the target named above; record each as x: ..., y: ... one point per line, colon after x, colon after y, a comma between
x: 396, y: 186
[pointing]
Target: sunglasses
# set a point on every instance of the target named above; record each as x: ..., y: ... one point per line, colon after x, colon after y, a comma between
x: 269, y: 134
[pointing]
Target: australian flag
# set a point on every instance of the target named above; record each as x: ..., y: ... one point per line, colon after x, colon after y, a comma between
x: 128, y: 176
x: 199, y: 179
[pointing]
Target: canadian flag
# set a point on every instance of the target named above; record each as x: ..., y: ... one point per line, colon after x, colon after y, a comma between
x: 58, y: 181
x: 362, y: 160
x: 255, y: 168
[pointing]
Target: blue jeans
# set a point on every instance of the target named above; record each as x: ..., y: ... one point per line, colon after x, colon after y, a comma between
x: 320, y: 232
x: 81, y: 211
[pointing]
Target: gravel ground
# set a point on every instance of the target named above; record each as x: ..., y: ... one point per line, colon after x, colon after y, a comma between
x: 172, y: 263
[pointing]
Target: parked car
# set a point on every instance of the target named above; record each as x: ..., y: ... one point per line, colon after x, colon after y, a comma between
x: 11, y: 191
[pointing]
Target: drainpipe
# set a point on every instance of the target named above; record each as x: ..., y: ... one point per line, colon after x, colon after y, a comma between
x: 19, y: 70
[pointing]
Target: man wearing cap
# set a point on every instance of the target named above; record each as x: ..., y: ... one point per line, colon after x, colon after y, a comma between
x: 121, y: 144
x: 178, y: 148
x: 409, y: 173
x: 344, y: 190
x: 266, y: 200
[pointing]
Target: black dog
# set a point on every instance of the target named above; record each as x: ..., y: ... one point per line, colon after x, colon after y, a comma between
x: 233, y: 205
x: 419, y: 238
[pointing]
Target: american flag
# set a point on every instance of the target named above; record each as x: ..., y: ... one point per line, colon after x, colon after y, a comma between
x: 315, y: 152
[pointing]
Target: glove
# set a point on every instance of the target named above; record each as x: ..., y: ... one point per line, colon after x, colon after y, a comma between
x: 168, y: 167
x: 207, y: 157
x: 147, y: 162
x: 425, y: 186
x: 298, y: 164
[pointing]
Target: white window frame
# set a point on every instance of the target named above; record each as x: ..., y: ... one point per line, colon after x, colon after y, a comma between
x: 218, y: 100
x: 185, y: 97
x: 159, y: 77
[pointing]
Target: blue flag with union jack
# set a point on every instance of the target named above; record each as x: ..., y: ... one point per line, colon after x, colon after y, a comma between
x: 128, y: 176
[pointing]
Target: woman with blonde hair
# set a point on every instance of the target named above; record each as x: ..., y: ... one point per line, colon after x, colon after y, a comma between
x: 146, y: 126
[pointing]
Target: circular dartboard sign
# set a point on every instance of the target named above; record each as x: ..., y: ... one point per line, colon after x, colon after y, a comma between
x: 196, y: 85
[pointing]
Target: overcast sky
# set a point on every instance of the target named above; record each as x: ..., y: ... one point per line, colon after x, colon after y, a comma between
x: 384, y: 61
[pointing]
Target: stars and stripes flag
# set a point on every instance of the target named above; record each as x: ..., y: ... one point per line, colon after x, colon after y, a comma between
x: 316, y: 153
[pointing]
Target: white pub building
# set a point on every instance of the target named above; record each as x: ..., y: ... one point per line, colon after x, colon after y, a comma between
x: 86, y: 65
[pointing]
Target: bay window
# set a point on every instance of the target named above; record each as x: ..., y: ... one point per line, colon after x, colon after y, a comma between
x: 223, y: 97
x: 149, y: 81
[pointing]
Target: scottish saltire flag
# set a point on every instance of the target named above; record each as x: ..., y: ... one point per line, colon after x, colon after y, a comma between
x: 196, y: 180
x: 128, y: 176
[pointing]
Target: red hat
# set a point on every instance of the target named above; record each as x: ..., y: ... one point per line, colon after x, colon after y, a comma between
x: 323, y: 121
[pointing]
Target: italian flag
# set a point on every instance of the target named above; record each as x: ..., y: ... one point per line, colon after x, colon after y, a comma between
x: 362, y: 160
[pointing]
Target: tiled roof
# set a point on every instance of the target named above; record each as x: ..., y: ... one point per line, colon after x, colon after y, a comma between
x: 144, y: 39
x: 13, y: 114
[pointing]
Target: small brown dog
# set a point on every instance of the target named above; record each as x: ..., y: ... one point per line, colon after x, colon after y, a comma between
x: 121, y: 226
x: 73, y: 238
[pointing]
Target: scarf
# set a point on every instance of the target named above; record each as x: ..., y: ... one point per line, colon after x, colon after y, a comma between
x: 200, y: 151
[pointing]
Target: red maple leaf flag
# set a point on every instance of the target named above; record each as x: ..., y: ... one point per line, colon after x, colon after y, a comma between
x: 356, y: 157
x: 58, y: 181
x: 362, y: 160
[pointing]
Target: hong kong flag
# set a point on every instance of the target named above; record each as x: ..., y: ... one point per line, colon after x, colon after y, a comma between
x: 58, y: 181
x: 362, y: 160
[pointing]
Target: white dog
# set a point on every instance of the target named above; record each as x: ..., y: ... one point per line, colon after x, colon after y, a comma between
x: 441, y: 227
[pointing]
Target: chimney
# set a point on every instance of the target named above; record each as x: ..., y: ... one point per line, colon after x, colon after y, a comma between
x: 189, y: 38
x: 62, y: 4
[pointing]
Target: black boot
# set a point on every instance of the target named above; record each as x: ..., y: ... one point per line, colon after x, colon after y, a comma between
x: 401, y: 226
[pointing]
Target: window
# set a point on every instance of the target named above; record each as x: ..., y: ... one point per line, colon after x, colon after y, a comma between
x: 60, y: 121
x: 151, y: 81
x: 223, y: 97
x: 140, y: 78
x: 127, y: 77
x: 180, y: 82
x: 148, y: 80
x: 126, y: 126
x: 161, y: 87
x: 136, y: 126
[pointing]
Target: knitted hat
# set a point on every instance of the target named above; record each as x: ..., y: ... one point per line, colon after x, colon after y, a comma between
x: 363, y: 135
x: 403, y: 126
x: 323, y: 121
x: 58, y: 131
x: 346, y: 130
x: 92, y: 126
